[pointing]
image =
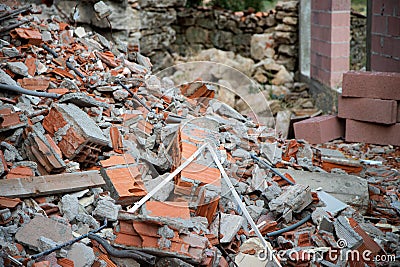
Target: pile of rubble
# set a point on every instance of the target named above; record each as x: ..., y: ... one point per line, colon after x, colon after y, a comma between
x: 104, y: 164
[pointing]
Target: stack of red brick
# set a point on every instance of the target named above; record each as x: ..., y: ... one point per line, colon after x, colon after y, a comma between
x: 370, y: 103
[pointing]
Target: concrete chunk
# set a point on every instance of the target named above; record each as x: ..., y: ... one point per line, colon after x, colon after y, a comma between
x: 296, y: 197
x: 350, y: 189
x: 18, y: 68
x: 106, y: 209
x: 69, y: 207
x: 230, y: 225
x: 346, y: 234
x: 81, y: 255
x: 30, y: 233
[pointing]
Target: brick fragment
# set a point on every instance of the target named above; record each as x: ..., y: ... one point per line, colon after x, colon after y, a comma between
x: 125, y: 184
x: 64, y: 262
x: 38, y: 83
x: 20, y: 172
x: 43, y: 150
x: 30, y: 62
x: 320, y: 129
x: 116, y: 140
x: 60, y: 91
x: 33, y: 36
x: 41, y: 264
x: 161, y: 239
x: 11, y: 120
x: 115, y: 160
x: 6, y: 202
x: 368, y: 109
x: 197, y: 89
x: 3, y: 164
x: 381, y: 85
x: 365, y: 132
x: 168, y: 209
x: 78, y: 137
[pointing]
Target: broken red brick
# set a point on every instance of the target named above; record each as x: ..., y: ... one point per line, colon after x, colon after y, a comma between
x: 82, y: 140
x: 30, y: 62
x: 33, y: 36
x: 108, y: 58
x: 145, y: 126
x: 60, y: 91
x: 349, y: 167
x: 368, y: 243
x: 207, y: 210
x: 10, y: 120
x: 126, y: 184
x: 320, y: 129
x: 62, y: 73
x: 103, y: 256
x: 202, y: 173
x: 146, y: 234
x: 197, y: 89
x: 303, y: 239
x: 41, y: 264
x: 268, y: 227
x: 20, y: 172
x: 64, y: 262
x: 116, y: 140
x: 10, y: 203
x: 40, y: 84
x: 115, y: 160
x: 168, y: 209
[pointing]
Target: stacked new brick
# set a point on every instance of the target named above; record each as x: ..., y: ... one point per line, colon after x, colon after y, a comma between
x: 370, y: 103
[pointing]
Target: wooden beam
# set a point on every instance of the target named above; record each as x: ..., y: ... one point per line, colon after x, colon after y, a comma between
x: 50, y: 184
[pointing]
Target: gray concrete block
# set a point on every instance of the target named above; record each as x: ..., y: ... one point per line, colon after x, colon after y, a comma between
x: 350, y: 189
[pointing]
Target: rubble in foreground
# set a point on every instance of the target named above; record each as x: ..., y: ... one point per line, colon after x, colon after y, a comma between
x: 102, y: 133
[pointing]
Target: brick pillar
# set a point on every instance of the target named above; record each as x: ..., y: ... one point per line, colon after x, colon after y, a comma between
x: 330, y: 40
x: 385, y: 36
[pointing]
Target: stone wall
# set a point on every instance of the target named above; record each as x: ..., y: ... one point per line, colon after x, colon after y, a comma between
x: 258, y: 35
x: 165, y: 27
x: 358, y: 43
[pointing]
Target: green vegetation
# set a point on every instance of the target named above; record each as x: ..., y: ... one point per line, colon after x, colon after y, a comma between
x: 359, y: 6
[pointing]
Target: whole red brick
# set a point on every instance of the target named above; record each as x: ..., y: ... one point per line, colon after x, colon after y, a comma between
x: 381, y: 85
x: 368, y: 109
x: 320, y: 129
x: 372, y: 133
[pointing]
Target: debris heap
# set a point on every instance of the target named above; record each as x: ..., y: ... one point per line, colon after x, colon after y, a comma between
x: 101, y: 165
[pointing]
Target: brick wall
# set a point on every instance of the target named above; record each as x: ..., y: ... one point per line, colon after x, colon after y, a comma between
x: 385, y: 36
x: 330, y: 40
